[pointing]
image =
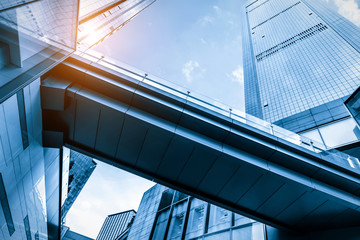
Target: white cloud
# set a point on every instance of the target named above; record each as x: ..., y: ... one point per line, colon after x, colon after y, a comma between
x: 349, y: 9
x: 203, y: 41
x: 206, y: 20
x: 191, y: 69
x: 217, y: 9
x: 237, y: 75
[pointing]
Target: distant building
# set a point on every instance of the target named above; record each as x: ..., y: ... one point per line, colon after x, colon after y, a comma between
x: 35, y: 36
x: 168, y: 214
x: 115, y: 225
x: 301, y: 62
x: 70, y: 235
x: 80, y: 169
x: 297, y: 55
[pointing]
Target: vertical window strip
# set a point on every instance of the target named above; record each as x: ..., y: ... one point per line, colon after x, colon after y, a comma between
x: 27, y: 228
x: 5, y: 206
x: 22, y: 115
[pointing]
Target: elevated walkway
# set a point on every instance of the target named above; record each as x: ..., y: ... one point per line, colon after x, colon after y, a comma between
x: 164, y: 133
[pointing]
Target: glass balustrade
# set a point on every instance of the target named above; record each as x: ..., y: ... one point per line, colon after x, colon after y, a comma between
x: 328, y: 154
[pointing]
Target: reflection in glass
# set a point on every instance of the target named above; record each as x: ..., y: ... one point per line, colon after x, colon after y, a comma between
x: 177, y: 221
x: 221, y: 236
x: 160, y: 226
x: 196, y: 219
x: 219, y: 219
x: 339, y: 133
x: 240, y: 220
x: 242, y: 233
x: 166, y: 199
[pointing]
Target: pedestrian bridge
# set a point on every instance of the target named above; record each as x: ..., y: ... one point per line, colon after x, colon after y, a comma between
x: 164, y: 133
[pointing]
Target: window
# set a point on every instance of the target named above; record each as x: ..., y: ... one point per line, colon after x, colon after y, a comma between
x: 160, y: 226
x: 177, y: 221
x: 166, y: 199
x: 6, y: 208
x: 219, y: 219
x: 196, y: 220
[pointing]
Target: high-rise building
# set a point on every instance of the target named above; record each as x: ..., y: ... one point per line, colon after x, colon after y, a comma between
x: 67, y: 234
x: 298, y: 55
x: 99, y: 19
x: 35, y: 36
x: 140, y: 123
x: 80, y: 169
x: 168, y: 214
x: 115, y: 225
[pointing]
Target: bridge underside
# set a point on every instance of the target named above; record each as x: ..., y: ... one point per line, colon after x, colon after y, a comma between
x: 162, y: 137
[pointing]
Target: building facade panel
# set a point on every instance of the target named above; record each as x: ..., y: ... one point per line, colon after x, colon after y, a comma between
x: 115, y: 224
x: 175, y: 215
x: 301, y: 60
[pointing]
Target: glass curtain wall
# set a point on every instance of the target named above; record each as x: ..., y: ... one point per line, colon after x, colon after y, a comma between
x: 183, y: 217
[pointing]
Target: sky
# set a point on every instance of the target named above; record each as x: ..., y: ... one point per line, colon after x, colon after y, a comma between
x: 109, y: 190
x: 195, y: 44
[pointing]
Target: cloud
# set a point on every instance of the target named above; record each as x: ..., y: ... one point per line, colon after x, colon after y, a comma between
x: 237, y: 75
x: 217, y: 9
x: 349, y: 9
x: 206, y: 20
x: 203, y: 41
x: 191, y: 69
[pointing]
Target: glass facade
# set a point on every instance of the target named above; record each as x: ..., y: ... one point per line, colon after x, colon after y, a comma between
x: 38, y: 184
x: 189, y: 218
x: 115, y: 225
x: 28, y: 171
x: 99, y: 20
x: 299, y: 57
x: 80, y: 169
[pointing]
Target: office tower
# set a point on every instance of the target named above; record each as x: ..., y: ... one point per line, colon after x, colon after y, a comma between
x: 168, y: 214
x: 115, y: 225
x: 136, y: 121
x: 35, y: 36
x: 67, y: 234
x: 80, y: 169
x: 99, y: 19
x: 297, y: 55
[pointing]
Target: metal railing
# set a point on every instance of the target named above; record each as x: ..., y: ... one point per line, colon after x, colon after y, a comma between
x: 328, y: 154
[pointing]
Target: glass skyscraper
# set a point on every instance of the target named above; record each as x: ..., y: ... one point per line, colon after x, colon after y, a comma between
x: 35, y: 36
x: 99, y: 19
x: 168, y: 214
x: 297, y: 55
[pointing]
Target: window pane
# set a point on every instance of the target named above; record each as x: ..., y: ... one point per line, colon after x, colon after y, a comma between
x: 242, y: 233
x: 219, y: 219
x: 221, y: 236
x: 166, y: 199
x: 161, y: 223
x: 195, y: 225
x: 339, y: 133
x: 240, y: 220
x: 177, y: 221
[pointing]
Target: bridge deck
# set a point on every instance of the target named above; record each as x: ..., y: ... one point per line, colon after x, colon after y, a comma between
x: 128, y: 122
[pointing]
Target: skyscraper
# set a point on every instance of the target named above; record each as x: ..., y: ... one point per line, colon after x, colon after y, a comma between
x: 99, y: 19
x: 168, y: 214
x: 80, y: 169
x: 297, y: 55
x: 35, y: 36
x: 115, y: 225
x: 205, y: 149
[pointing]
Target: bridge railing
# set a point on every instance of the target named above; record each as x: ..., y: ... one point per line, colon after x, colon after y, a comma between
x: 329, y: 154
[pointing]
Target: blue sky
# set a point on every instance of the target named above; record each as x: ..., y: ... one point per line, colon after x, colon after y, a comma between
x: 195, y: 44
